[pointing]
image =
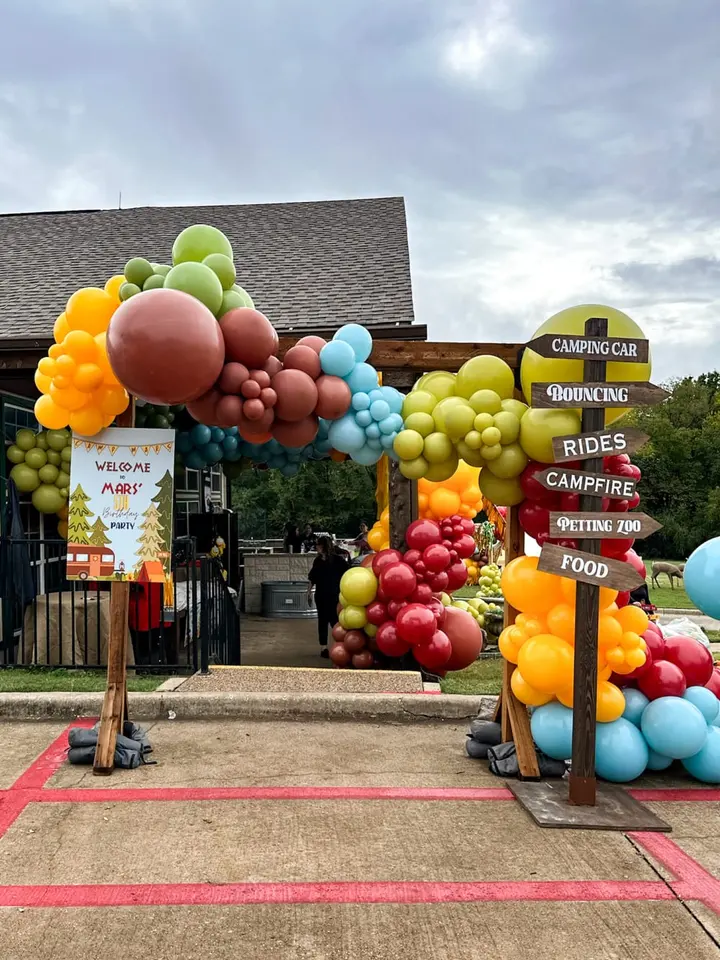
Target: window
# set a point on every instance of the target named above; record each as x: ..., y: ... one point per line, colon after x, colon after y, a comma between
x: 15, y: 418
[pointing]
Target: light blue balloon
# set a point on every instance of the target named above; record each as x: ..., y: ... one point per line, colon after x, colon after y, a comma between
x: 377, y: 395
x: 702, y: 575
x: 233, y: 457
x: 656, y: 761
x: 337, y: 358
x: 232, y: 432
x: 201, y: 434
x: 705, y: 764
x: 635, y: 703
x: 373, y: 431
x: 289, y: 469
x: 358, y: 338
x: 388, y: 425
x: 229, y: 445
x: 705, y: 700
x: 373, y: 444
x: 184, y: 442
x: 323, y: 428
x: 363, y: 378
x: 345, y: 435
x: 621, y: 753
x: 551, y: 727
x: 212, y: 453
x: 393, y: 398
x: 363, y: 418
x: 674, y: 727
x: 379, y: 410
x: 322, y: 446
x: 366, y: 456
x: 387, y: 440
x: 194, y: 460
x: 218, y: 434
x: 294, y: 456
x: 360, y: 401
x: 716, y: 721
x: 276, y: 462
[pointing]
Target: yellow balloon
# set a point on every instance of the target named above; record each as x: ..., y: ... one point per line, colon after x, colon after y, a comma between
x: 86, y: 422
x: 527, y: 694
x: 511, y: 462
x: 546, y: 662
x: 81, y: 346
x: 610, y: 702
x: 49, y: 414
x: 353, y: 617
x: 42, y: 382
x: 103, y: 361
x: 439, y: 472
x: 112, y: 287
x: 537, y: 369
x: 539, y: 427
x: 90, y: 310
x: 65, y: 365
x: 61, y: 328
x: 408, y: 444
x: 439, y: 383
x: 47, y: 366
x: 485, y: 372
x: 414, y: 469
x: 359, y: 586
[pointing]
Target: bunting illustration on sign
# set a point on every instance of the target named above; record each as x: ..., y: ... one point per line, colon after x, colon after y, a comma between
x: 120, y: 513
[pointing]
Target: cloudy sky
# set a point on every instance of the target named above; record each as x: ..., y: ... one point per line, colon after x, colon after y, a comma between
x: 551, y: 152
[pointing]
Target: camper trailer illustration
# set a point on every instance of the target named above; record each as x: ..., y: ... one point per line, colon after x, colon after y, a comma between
x: 88, y: 562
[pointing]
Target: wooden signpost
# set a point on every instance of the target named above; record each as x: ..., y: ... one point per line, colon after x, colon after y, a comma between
x: 568, y: 347
x: 602, y: 526
x: 596, y: 394
x: 587, y: 484
x: 588, y: 568
x: 607, y: 443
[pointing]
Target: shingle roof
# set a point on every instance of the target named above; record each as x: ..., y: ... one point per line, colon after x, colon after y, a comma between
x: 305, y: 264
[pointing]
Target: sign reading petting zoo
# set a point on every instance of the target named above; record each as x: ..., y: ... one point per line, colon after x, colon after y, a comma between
x: 121, y: 506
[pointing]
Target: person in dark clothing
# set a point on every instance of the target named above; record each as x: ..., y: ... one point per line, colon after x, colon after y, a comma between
x: 309, y: 540
x: 640, y: 595
x: 293, y: 541
x: 325, y: 576
x: 361, y: 540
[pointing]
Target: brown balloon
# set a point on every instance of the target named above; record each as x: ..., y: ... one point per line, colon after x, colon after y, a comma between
x: 363, y: 660
x: 253, y: 409
x: 272, y: 366
x: 165, y: 347
x: 302, y: 357
x: 334, y: 397
x: 204, y: 409
x: 256, y: 431
x: 315, y: 343
x: 339, y: 655
x: 296, y: 394
x: 338, y: 632
x: 262, y: 377
x: 249, y: 336
x: 354, y: 641
x: 233, y: 377
x: 229, y: 410
x: 268, y: 397
x: 296, y: 434
x: 250, y: 389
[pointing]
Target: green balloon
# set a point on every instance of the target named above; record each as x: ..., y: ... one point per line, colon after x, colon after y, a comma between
x: 231, y: 301
x: 47, y: 498
x: 245, y: 295
x: 58, y: 439
x: 137, y: 271
x: 160, y: 408
x: 48, y: 473
x: 36, y: 458
x: 25, y: 439
x: 64, y: 492
x: 128, y: 290
x: 223, y: 267
x: 62, y: 479
x: 161, y: 269
x: 41, y: 440
x: 159, y: 422
x: 199, y: 241
x: 154, y: 282
x: 199, y: 281
x: 15, y: 454
x: 65, y: 454
x: 54, y: 458
x: 25, y: 478
x: 140, y: 418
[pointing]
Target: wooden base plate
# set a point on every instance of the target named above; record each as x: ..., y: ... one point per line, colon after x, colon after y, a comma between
x: 547, y: 803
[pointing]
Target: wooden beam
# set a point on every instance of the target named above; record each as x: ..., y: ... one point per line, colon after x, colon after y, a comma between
x: 420, y: 356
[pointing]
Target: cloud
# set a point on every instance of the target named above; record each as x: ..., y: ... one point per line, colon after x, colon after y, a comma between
x: 550, y: 153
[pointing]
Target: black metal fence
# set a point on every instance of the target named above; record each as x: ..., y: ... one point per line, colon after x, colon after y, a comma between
x: 49, y: 621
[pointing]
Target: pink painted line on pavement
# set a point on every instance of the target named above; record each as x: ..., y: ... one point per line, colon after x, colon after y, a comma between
x: 676, y: 795
x: 50, y: 760
x: 237, y: 894
x: 692, y: 881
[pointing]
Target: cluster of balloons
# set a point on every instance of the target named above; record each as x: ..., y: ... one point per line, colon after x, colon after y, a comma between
x: 41, y: 467
x: 77, y: 385
x: 288, y: 460
x: 158, y: 416
x: 389, y: 608
x: 203, y: 446
x: 702, y: 576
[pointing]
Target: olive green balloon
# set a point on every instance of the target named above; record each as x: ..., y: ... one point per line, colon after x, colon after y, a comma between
x: 199, y: 241
x: 25, y: 439
x: 15, y: 454
x: 54, y: 458
x: 161, y: 269
x: 245, y: 295
x: 421, y: 423
x: 138, y: 270
x: 62, y: 479
x: 418, y: 401
x: 25, y: 478
x: 500, y: 492
x: 48, y: 473
x: 66, y: 454
x: 159, y: 422
x: 41, y: 440
x: 231, y: 301
x: 58, y: 439
x: 469, y: 454
x: 438, y: 472
x: 36, y: 458
x: 414, y: 469
x: 511, y: 462
x: 47, y: 498
x: 128, y: 290
x: 438, y: 448
x: 223, y: 268
x: 408, y: 444
x: 199, y: 281
x: 154, y: 282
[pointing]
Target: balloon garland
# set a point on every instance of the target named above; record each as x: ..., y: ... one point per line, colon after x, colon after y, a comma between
x: 41, y: 467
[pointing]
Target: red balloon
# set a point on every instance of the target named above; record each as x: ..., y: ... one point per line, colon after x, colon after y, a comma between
x: 663, y: 679
x: 233, y: 376
x: 381, y: 595
x: 637, y: 562
x: 363, y: 660
x: 250, y: 429
x: 611, y: 464
x: 416, y: 623
x: 338, y: 632
x: 467, y: 525
x: 165, y: 347
x: 436, y: 557
x: 634, y: 501
x: 465, y: 636
x: 355, y: 641
x: 618, y: 506
x: 302, y: 357
x: 376, y: 613
x: 421, y: 594
x: 412, y: 557
x: 334, y: 397
x: 384, y: 559
x: 714, y: 682
x: 534, y: 519
x: 464, y: 546
x: 204, y: 409
x: 438, y: 609
x: 438, y: 582
x: 315, y: 343
x: 457, y: 576
x: 296, y: 395
x: 616, y: 549
x: 623, y: 599
x: 693, y: 658
x: 339, y: 655
x: 655, y: 643
x: 398, y: 580
x: 229, y: 410
x: 249, y: 336
x: 295, y: 434
x: 435, y: 653
x: 534, y: 490
x: 389, y: 642
x: 394, y: 607
x: 421, y: 533
x: 570, y: 501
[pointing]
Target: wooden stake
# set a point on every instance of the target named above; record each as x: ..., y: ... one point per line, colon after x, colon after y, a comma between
x: 115, y: 705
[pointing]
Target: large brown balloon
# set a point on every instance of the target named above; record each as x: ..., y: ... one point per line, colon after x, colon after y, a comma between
x: 229, y: 411
x: 273, y: 366
x: 233, y: 377
x: 164, y: 346
x: 334, y: 397
x: 256, y: 431
x: 303, y: 357
x: 339, y: 655
x: 204, y: 409
x: 250, y: 338
x: 363, y: 660
x: 296, y: 394
x: 465, y: 636
x: 315, y: 343
x: 354, y: 641
x: 296, y: 434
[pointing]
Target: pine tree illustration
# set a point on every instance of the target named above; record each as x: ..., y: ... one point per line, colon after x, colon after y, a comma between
x: 164, y: 500
x: 151, y: 538
x: 97, y: 533
x: 78, y: 513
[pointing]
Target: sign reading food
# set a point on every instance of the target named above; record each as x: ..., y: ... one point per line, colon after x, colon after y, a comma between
x: 120, y: 513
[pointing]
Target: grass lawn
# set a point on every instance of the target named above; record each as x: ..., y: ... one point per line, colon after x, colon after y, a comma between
x: 663, y: 596
x: 69, y: 681
x: 483, y: 676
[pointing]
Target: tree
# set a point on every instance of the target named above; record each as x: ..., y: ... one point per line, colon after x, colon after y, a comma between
x: 151, y: 538
x: 164, y: 500
x: 97, y: 533
x: 78, y: 513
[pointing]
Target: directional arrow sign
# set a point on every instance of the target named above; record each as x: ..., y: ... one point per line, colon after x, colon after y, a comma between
x: 602, y: 526
x: 568, y: 347
x: 593, y: 484
x: 603, y: 443
x: 587, y: 568
x: 596, y: 395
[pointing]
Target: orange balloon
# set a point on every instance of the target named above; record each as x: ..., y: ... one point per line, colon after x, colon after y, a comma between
x: 510, y: 641
x: 55, y: 351
x: 444, y: 502
x: 111, y: 400
x: 87, y: 422
x: 69, y: 398
x: 47, y: 366
x: 610, y: 702
x: 65, y: 366
x: 632, y: 619
x: 609, y: 631
x: 81, y: 346
x: 376, y: 538
x: 90, y: 310
x: 63, y: 513
x: 530, y: 625
x: 607, y: 596
x: 62, y: 529
x: 42, y: 382
x: 565, y: 696
x: 49, y: 414
x: 546, y: 662
x: 528, y: 590
x: 423, y: 501
x: 561, y: 622
x: 112, y: 287
x: 527, y: 694
x: 88, y: 376
x: 61, y: 328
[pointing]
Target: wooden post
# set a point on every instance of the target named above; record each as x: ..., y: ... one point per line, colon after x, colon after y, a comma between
x: 582, y: 785
x: 402, y: 504
x: 115, y: 703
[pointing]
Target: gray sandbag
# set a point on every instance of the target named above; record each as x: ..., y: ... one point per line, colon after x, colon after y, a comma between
x: 486, y: 731
x: 130, y: 751
x: 503, y: 760
x: 478, y: 751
